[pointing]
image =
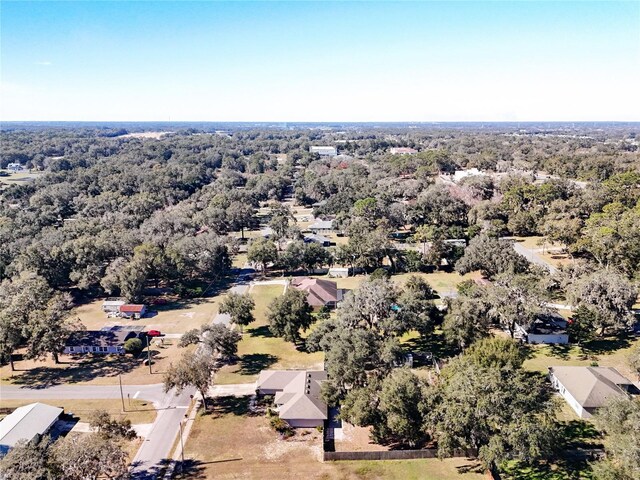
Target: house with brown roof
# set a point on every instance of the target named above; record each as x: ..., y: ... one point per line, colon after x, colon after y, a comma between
x: 320, y: 293
x: 586, y: 389
x: 297, y: 395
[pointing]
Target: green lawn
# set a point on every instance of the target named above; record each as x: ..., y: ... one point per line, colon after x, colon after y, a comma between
x: 259, y: 349
x: 606, y: 352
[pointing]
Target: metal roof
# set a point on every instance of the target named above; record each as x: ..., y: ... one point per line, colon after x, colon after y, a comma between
x: 24, y: 423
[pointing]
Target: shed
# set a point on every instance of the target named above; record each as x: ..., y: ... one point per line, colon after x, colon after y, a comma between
x: 132, y: 310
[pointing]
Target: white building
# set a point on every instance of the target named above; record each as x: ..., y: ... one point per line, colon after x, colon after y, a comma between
x: 586, y: 389
x: 324, y: 151
x: 27, y: 423
x: 460, y: 174
x: 548, y: 329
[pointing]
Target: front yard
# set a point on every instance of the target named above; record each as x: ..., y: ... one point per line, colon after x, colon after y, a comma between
x: 259, y: 349
x: 230, y: 442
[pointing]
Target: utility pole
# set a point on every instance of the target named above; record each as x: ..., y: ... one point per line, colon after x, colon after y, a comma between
x: 181, y: 450
x: 121, y: 394
x: 148, y: 354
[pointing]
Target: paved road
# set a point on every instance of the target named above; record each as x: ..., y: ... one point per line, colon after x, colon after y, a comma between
x: 225, y: 318
x: 151, y: 393
x: 533, y: 257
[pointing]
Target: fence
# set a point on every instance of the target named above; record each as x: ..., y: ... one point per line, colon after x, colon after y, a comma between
x: 390, y: 455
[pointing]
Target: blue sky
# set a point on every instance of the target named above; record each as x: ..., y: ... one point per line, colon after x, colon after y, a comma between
x: 329, y: 61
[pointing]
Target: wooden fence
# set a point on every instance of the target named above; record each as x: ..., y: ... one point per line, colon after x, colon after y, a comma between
x: 389, y: 455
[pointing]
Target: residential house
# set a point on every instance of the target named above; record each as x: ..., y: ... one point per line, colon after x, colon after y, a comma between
x: 297, y: 395
x: 470, y: 172
x: 549, y: 329
x: 324, y: 151
x: 112, y: 305
x: 320, y: 293
x: 586, y: 389
x: 107, y: 341
x: 28, y: 423
x: 319, y: 239
x: 403, y: 151
x: 134, y: 311
x: 321, y: 226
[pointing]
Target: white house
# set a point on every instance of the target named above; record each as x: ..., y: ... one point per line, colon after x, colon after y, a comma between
x: 586, y: 389
x: 321, y: 226
x: 403, y: 151
x: 27, y: 423
x: 297, y: 395
x: 15, y: 167
x: 460, y: 174
x: 548, y: 329
x: 108, y: 341
x: 112, y: 305
x: 324, y: 151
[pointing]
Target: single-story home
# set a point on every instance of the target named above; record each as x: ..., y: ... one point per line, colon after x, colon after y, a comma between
x: 319, y: 239
x: 297, y: 395
x: 15, y: 167
x: 133, y: 311
x: 403, y: 151
x: 112, y: 305
x: 586, y: 389
x: 323, y: 151
x: 549, y: 329
x: 338, y: 272
x: 99, y: 341
x: 28, y: 423
x: 321, y: 226
x: 320, y: 293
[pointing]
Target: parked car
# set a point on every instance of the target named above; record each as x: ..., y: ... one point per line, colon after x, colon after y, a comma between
x: 154, y: 333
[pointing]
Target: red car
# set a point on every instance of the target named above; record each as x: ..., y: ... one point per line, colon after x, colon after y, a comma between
x: 154, y: 333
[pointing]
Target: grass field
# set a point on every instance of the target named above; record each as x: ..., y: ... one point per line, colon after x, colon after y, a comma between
x: 138, y: 411
x: 606, y: 352
x: 259, y: 349
x: 95, y: 369
x: 176, y: 317
x: 231, y: 443
x: 18, y: 178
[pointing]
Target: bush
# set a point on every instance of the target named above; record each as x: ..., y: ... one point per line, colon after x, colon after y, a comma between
x: 379, y: 274
x: 280, y: 426
x: 133, y: 346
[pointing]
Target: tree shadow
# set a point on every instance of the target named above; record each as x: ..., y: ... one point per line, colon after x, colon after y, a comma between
x: 262, y: 331
x: 560, y: 351
x: 80, y: 371
x: 191, y: 468
x: 434, y: 343
x: 473, y: 466
x: 230, y: 405
x: 254, y: 363
x: 580, y: 434
x: 608, y: 345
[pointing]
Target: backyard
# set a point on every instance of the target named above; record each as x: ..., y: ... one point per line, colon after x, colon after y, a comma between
x: 230, y: 442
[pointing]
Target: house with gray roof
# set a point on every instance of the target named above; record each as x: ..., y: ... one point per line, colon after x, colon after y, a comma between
x: 109, y: 340
x: 27, y: 423
x: 586, y: 389
x: 297, y: 395
x: 321, y: 226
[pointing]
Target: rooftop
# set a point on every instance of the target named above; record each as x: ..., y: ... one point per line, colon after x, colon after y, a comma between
x: 299, y: 395
x: 592, y: 386
x: 24, y: 423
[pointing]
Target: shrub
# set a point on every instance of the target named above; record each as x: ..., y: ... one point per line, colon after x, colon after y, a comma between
x: 133, y: 346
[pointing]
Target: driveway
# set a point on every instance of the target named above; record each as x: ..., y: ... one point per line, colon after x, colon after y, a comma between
x: 533, y: 257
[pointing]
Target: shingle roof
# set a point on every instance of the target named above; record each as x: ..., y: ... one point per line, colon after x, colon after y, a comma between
x: 591, y: 386
x: 99, y: 338
x: 321, y: 225
x: 320, y: 292
x: 299, y: 397
x: 26, y: 422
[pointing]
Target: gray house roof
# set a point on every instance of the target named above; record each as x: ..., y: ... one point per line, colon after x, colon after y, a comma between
x: 24, y: 423
x: 100, y: 338
x: 299, y: 395
x: 592, y: 386
x: 321, y: 225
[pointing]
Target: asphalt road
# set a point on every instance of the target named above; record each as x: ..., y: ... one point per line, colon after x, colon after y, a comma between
x: 155, y: 452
